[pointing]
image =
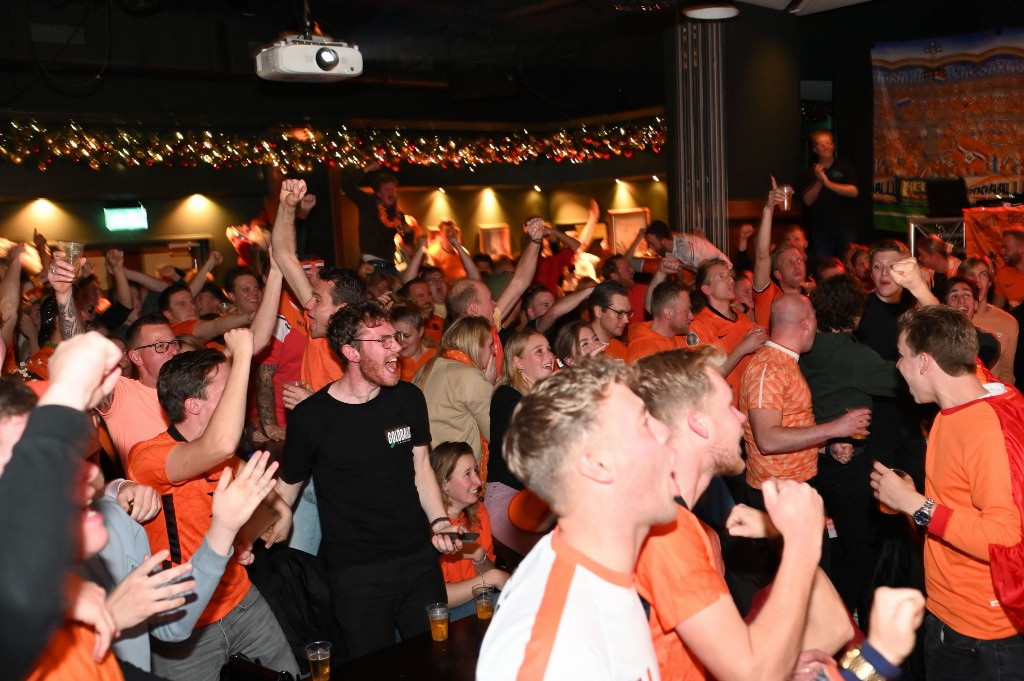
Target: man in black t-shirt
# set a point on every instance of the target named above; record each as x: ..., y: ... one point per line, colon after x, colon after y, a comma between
x: 830, y: 199
x: 365, y: 437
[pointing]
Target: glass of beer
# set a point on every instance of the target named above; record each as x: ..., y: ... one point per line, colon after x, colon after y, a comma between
x: 437, y: 613
x: 484, y: 595
x: 788, y: 201
x: 319, y: 655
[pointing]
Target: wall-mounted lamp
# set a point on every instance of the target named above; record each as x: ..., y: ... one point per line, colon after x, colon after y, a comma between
x: 710, y: 11
x: 441, y: 189
x: 536, y: 187
x: 655, y: 178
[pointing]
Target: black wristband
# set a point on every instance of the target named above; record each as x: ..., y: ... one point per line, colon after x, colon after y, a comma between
x: 442, y: 519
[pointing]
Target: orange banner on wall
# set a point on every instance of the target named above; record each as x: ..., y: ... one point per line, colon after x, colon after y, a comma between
x: 984, y: 227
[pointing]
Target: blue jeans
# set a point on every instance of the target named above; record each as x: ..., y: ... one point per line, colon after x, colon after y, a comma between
x: 306, y: 532
x: 250, y: 628
x: 949, y: 655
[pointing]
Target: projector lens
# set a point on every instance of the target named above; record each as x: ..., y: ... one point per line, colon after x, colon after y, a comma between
x: 326, y: 58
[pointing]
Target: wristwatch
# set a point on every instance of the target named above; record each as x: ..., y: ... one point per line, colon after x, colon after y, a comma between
x: 923, y: 515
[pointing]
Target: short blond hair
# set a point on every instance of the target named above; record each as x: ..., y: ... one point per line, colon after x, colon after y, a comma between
x: 552, y: 423
x: 676, y: 380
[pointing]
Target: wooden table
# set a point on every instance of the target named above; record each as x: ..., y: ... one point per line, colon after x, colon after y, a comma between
x: 422, y: 658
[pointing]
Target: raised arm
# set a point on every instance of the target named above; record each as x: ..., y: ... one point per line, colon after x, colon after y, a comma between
x: 668, y: 265
x: 413, y: 270
x: 763, y: 239
x: 218, y: 442
x: 282, y: 240
x: 562, y: 307
x: 467, y: 260
x: 115, y: 265
x: 525, y: 270
x: 265, y: 319
x: 199, y: 280
x: 587, y: 233
x: 146, y: 281
x: 634, y: 261
x: 62, y: 278
x: 907, y: 273
x: 567, y: 241
x: 211, y: 328
x: 10, y: 297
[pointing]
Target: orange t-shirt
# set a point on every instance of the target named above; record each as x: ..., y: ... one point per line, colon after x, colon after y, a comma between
x: 68, y: 655
x: 433, y: 328
x: 617, y: 349
x: 679, y: 572
x: 714, y: 329
x: 411, y: 366
x: 39, y: 363
x: 134, y: 416
x: 320, y: 366
x: 449, y: 263
x: 967, y: 470
x: 187, y: 508
x: 644, y: 341
x: 454, y: 567
x: 763, y: 304
x: 773, y: 380
x: 1009, y: 282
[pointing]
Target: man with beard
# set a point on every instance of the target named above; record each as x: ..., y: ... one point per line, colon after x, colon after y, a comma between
x: 332, y: 289
x: 1009, y: 279
x: 698, y: 632
x: 381, y: 516
x: 586, y: 444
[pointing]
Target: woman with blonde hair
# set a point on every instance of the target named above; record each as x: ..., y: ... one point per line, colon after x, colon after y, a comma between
x: 528, y: 359
x: 459, y: 479
x: 416, y: 349
x: 458, y: 383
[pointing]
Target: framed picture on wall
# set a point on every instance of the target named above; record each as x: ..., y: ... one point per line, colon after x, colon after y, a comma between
x: 624, y: 224
x: 495, y: 239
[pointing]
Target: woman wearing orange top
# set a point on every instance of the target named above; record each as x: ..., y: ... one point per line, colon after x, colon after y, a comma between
x: 416, y: 349
x: 456, y: 471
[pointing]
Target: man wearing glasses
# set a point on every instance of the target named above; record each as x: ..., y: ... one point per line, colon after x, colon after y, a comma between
x: 610, y: 312
x: 132, y: 411
x: 374, y: 507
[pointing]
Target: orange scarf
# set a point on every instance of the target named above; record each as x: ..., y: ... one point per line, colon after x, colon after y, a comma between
x: 396, y: 222
x: 460, y: 356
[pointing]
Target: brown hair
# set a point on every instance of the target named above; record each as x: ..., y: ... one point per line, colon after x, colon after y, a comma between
x: 552, y: 423
x: 443, y: 459
x: 947, y: 335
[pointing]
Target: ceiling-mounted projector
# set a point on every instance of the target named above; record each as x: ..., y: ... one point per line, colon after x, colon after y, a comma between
x: 309, y: 58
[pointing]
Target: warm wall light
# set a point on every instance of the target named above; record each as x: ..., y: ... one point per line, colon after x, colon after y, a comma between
x: 618, y: 181
x: 197, y: 203
x: 655, y: 178
x: 536, y: 187
x: 43, y: 209
x: 710, y: 11
x: 441, y: 189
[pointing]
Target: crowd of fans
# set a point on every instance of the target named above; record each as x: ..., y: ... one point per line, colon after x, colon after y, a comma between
x: 740, y: 441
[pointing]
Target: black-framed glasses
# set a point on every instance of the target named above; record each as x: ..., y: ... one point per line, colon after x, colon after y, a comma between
x: 385, y: 341
x: 621, y: 314
x: 161, y: 346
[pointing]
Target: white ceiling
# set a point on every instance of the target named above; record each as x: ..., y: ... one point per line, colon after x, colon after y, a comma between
x: 807, y: 6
